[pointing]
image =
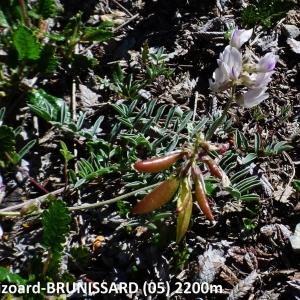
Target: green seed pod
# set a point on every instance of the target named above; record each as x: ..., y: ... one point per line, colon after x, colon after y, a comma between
x: 30, y: 207
x: 183, y: 195
x: 158, y: 197
x: 183, y: 219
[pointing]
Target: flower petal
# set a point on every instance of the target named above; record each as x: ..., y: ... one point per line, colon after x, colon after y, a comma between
x: 252, y: 98
x: 240, y: 37
x: 267, y: 63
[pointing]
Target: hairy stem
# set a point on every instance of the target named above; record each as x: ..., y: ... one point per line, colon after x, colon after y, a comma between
x: 24, y: 13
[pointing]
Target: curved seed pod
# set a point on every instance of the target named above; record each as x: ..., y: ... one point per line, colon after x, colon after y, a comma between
x: 158, y: 197
x: 157, y: 164
x: 183, y: 196
x: 183, y: 219
x: 201, y: 194
x: 212, y: 166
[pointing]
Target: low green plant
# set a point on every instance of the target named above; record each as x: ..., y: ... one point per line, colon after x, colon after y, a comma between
x: 199, y: 153
x: 249, y: 224
x: 7, y: 276
x: 128, y: 88
x: 257, y: 114
x: 67, y: 157
x: 270, y: 148
x: 29, y: 48
x: 55, y: 111
x: 181, y: 256
x: 265, y: 12
x: 124, y: 208
x: 189, y: 159
x: 149, y: 221
x: 284, y: 113
x: 296, y: 184
x: 8, y: 141
x: 55, y: 221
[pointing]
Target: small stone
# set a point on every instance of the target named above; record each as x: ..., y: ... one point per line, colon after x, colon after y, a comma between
x: 295, y: 239
x: 291, y: 31
x: 295, y: 45
x: 119, y: 21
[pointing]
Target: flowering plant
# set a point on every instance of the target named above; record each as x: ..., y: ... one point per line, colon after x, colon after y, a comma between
x: 234, y: 70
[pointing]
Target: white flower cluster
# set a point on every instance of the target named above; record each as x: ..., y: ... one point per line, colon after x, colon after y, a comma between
x: 235, y: 70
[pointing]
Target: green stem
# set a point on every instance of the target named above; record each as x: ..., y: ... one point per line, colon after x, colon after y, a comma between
x: 196, y: 149
x: 225, y: 111
x: 85, y: 206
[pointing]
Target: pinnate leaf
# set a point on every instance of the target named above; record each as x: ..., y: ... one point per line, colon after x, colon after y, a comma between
x: 265, y: 11
x: 46, y: 102
x: 54, y: 264
x: 26, y: 43
x: 82, y: 255
x: 71, y: 29
x: 46, y: 8
x: 249, y: 16
x: 98, y: 34
x: 7, y: 141
x: 83, y: 62
x: 48, y: 62
x: 55, y: 221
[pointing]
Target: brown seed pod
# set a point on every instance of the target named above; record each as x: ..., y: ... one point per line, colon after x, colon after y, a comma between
x: 158, y: 197
x: 201, y: 194
x: 157, y: 164
x: 212, y: 166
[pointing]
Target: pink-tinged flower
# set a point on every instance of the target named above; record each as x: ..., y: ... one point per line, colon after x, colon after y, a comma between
x: 252, y: 98
x: 267, y: 63
x: 257, y: 80
x: 262, y: 79
x: 230, y: 67
x: 221, y: 81
x: 240, y: 37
